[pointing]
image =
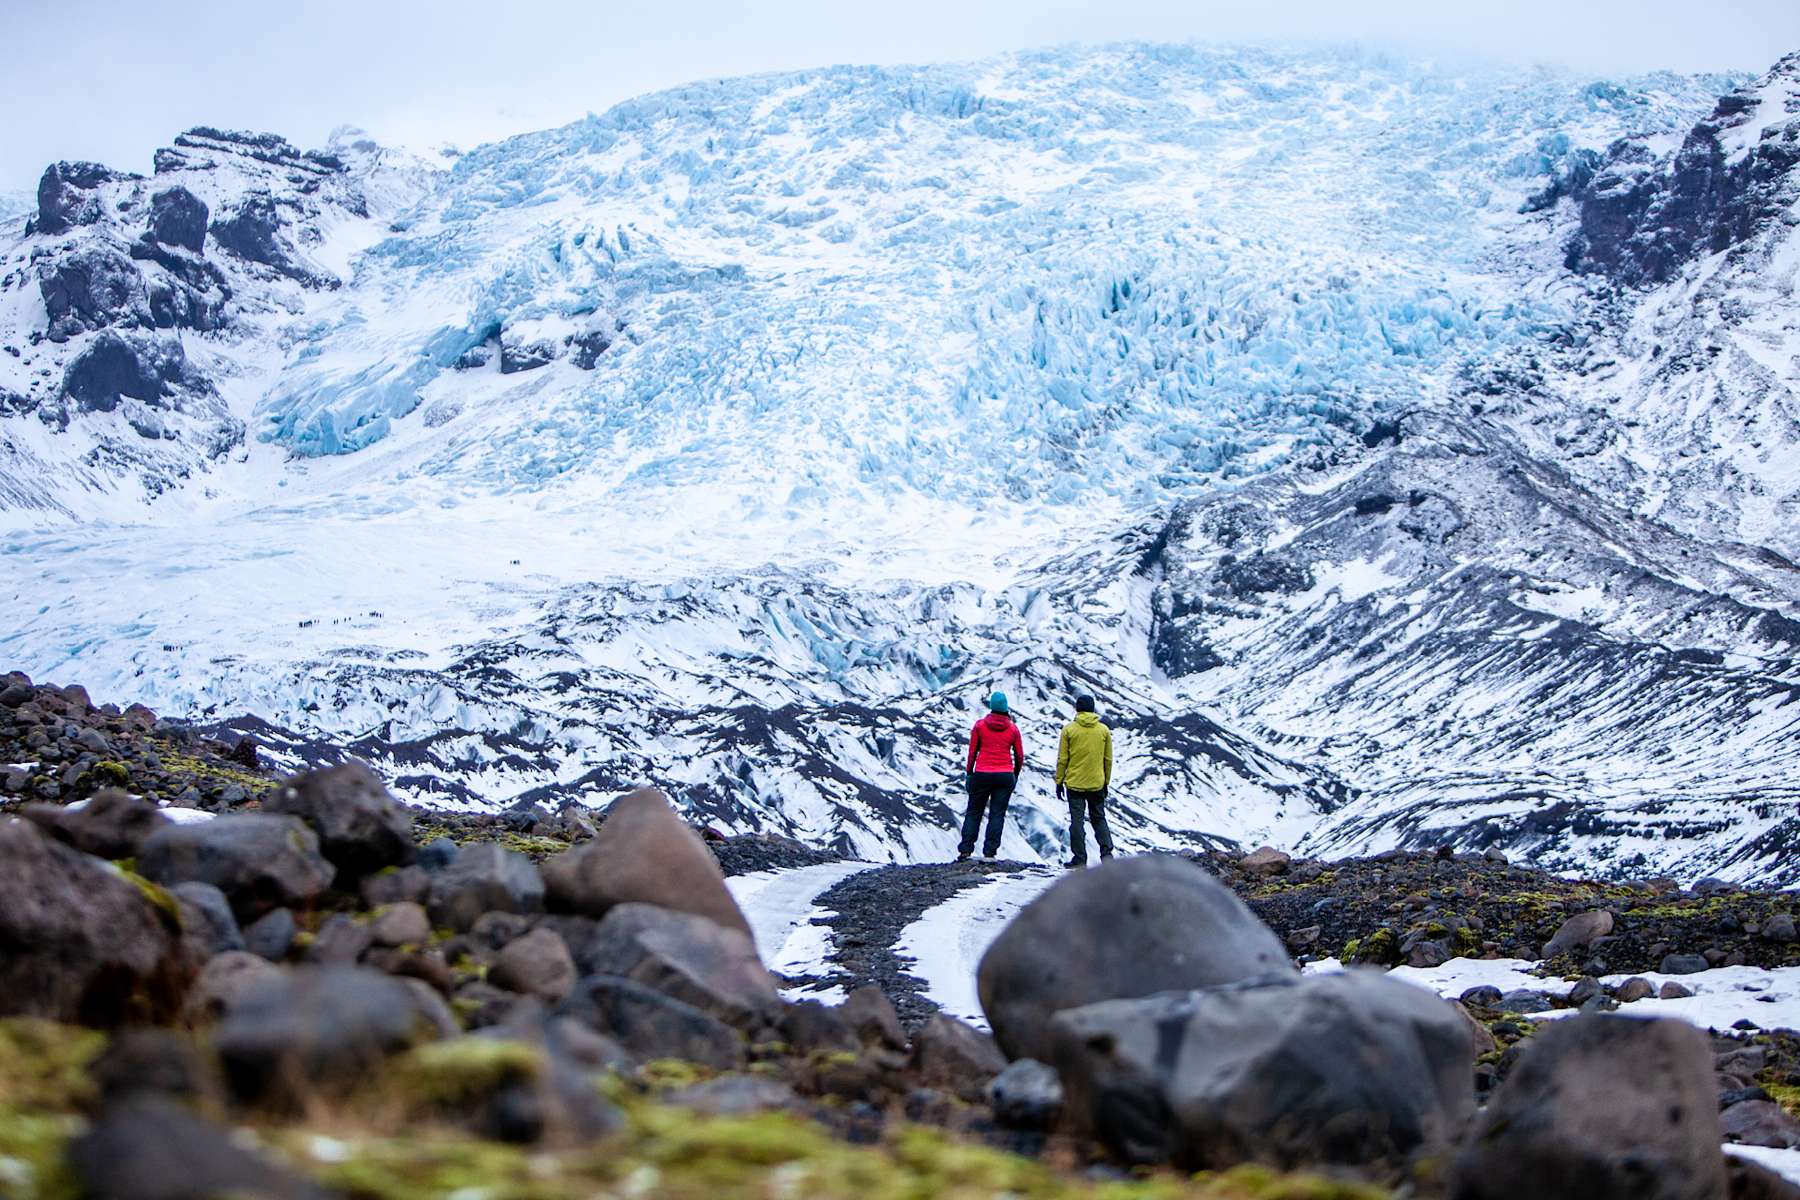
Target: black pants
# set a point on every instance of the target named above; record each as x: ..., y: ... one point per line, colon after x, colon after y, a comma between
x: 1094, y: 804
x: 989, y: 792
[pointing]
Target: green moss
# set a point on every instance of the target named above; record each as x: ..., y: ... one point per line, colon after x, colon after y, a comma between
x: 426, y: 1168
x: 204, y: 773
x: 108, y: 773
x: 167, y: 908
x: 461, y: 1069
x: 1467, y: 943
x: 672, y: 1073
x: 43, y: 1080
x: 1785, y: 1095
x: 1380, y: 948
x: 43, y: 1065
x: 32, y: 1162
x: 536, y: 848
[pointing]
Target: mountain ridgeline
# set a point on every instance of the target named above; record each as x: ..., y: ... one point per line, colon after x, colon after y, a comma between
x: 1406, y: 456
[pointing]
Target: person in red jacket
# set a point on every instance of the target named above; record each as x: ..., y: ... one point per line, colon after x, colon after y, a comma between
x: 996, y: 756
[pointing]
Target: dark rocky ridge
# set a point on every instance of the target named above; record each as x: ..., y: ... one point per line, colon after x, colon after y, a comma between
x: 1644, y: 218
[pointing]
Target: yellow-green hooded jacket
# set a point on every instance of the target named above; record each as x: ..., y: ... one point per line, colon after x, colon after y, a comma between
x: 1084, y: 756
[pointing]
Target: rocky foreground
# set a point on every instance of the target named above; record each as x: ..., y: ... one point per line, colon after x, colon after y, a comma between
x: 295, y: 986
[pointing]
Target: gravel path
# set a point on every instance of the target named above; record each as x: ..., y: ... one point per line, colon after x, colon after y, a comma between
x: 872, y: 909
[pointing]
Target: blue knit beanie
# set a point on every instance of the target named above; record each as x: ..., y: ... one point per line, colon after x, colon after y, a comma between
x: 997, y: 702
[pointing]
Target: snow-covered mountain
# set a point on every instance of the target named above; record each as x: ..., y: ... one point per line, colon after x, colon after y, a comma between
x: 1406, y: 453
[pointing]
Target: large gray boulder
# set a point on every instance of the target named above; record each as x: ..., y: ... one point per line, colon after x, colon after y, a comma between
x: 1603, y: 1108
x: 81, y: 943
x: 361, y: 828
x: 644, y: 854
x: 710, y: 966
x: 1350, y: 1068
x: 318, y: 1027
x: 260, y: 861
x: 1132, y: 927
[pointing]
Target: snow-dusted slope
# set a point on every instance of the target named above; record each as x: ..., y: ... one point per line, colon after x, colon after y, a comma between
x: 741, y: 437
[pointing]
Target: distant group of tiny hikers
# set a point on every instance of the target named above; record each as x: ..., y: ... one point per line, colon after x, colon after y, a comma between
x: 1084, y: 765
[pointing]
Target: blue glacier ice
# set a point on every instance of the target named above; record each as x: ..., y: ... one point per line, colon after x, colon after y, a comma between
x: 1041, y: 277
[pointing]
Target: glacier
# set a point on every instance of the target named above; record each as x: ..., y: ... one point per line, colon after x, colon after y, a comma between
x: 740, y: 437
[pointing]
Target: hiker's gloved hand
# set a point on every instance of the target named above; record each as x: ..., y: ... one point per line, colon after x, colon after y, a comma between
x: 1062, y: 793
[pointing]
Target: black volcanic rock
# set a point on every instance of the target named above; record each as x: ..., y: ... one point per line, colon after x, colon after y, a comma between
x: 178, y: 218
x: 114, y: 366
x: 252, y: 232
x: 1643, y: 219
x: 66, y: 196
x: 91, y: 287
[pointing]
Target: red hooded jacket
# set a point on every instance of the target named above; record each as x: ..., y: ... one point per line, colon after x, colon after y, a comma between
x: 995, y: 746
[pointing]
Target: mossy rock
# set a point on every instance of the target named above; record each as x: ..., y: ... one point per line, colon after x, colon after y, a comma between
x: 448, y: 1073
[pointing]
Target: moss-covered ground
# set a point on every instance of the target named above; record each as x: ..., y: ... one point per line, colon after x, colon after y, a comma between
x: 383, y: 1144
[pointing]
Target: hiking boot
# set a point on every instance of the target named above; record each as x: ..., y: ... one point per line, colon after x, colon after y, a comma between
x: 962, y: 856
x: 1076, y: 863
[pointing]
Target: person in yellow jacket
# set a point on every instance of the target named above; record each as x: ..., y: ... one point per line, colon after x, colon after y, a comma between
x: 1084, y: 762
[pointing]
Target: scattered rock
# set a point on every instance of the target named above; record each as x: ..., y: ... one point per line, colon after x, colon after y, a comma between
x: 650, y: 1025
x: 484, y: 877
x: 734, y: 1096
x: 872, y: 1015
x: 225, y: 980
x: 146, y: 1062
x: 272, y: 935
x: 1578, y: 932
x: 341, y: 941
x: 1131, y: 927
x: 1779, y: 928
x: 156, y: 1150
x: 711, y: 966
x: 206, y: 919
x: 1674, y: 991
x: 956, y: 1057
x: 1524, y: 1000
x: 537, y: 964
x: 1760, y: 1123
x: 644, y: 853
x: 361, y: 828
x: 1747, y: 1180
x: 1266, y: 861
x: 402, y: 924
x: 1634, y: 989
x: 1279, y: 1073
x: 1484, y: 996
x: 260, y: 861
x: 1026, y: 1095
x: 318, y: 1026
x: 1683, y: 964
x: 1623, y: 1105
x: 397, y: 886
x: 111, y: 824
x: 79, y: 942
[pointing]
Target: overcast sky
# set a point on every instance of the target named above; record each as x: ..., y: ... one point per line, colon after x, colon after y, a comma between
x: 111, y: 80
